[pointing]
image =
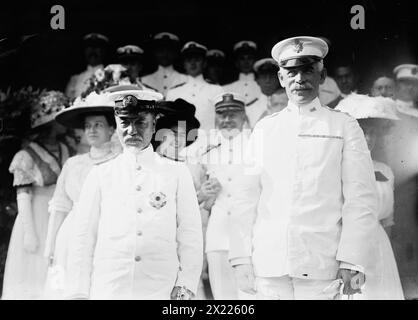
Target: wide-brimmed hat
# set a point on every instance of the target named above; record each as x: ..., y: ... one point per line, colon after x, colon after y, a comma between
x: 73, y: 117
x: 46, y: 107
x: 361, y: 106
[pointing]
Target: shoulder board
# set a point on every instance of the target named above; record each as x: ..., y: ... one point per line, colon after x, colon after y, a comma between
x: 331, y: 109
x: 178, y: 85
x: 149, y: 87
x: 170, y: 158
x: 111, y: 157
x: 211, y: 147
x: 251, y: 102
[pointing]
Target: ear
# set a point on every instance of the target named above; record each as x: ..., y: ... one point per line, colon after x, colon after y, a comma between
x: 323, y: 75
x: 280, y: 76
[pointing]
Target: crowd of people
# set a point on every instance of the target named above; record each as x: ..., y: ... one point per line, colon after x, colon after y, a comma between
x: 284, y: 184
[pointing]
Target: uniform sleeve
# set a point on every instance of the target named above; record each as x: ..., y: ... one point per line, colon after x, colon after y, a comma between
x: 189, y: 233
x: 245, y: 202
x: 359, y: 222
x: 23, y: 169
x: 83, y: 238
x: 60, y: 200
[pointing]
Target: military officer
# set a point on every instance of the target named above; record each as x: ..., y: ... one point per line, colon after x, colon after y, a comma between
x: 130, y: 56
x: 304, y: 224
x: 222, y: 164
x: 138, y: 231
x: 165, y: 51
x: 245, y: 55
x: 215, y: 66
x: 95, y: 45
x: 195, y: 89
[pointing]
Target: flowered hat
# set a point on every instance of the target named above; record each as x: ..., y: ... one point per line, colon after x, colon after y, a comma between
x: 48, y: 105
x: 73, y: 116
x: 361, y: 106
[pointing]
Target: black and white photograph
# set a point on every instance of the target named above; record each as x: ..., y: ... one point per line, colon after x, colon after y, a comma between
x: 209, y: 150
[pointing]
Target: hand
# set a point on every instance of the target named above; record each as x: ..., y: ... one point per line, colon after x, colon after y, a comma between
x: 185, y: 295
x: 210, y: 188
x: 30, y: 242
x: 353, y: 280
x: 244, y: 273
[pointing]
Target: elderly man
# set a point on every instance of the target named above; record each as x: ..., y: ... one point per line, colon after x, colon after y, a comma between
x: 222, y: 163
x: 304, y: 224
x: 138, y: 231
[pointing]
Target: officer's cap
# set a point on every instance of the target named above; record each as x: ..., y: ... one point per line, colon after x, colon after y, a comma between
x: 130, y: 50
x: 299, y: 51
x: 266, y: 63
x: 229, y: 101
x: 215, y: 53
x: 166, y: 36
x: 193, y: 47
x: 130, y: 100
x: 406, y: 71
x: 245, y: 46
x: 95, y: 39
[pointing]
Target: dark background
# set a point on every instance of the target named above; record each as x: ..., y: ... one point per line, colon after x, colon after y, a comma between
x: 50, y: 57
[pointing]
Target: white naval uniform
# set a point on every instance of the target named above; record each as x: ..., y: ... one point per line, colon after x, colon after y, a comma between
x: 223, y: 162
x: 264, y: 106
x: 245, y: 86
x: 309, y: 208
x: 199, y: 93
x: 80, y: 82
x: 137, y: 230
x: 163, y: 79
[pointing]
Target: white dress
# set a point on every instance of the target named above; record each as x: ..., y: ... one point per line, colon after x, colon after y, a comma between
x: 384, y: 283
x: 65, y: 198
x: 25, y: 272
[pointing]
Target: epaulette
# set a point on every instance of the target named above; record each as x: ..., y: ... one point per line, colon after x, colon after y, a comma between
x: 211, y: 147
x: 102, y: 161
x: 251, y: 102
x: 149, y: 87
x: 178, y: 85
x: 170, y: 158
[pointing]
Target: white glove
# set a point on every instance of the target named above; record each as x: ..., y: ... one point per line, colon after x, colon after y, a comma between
x: 244, y: 273
x: 24, y: 205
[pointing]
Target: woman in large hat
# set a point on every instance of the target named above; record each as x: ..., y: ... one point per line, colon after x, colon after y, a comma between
x: 375, y: 116
x: 35, y: 169
x: 96, y: 116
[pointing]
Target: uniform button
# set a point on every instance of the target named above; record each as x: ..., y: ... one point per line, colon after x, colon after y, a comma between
x: 139, y: 233
x: 138, y: 188
x: 246, y: 94
x: 137, y: 258
x: 229, y: 196
x: 229, y: 162
x: 138, y: 167
x: 165, y: 76
x: 139, y: 210
x: 165, y: 88
x: 245, y: 84
x: 229, y: 179
x: 229, y: 213
x: 193, y: 95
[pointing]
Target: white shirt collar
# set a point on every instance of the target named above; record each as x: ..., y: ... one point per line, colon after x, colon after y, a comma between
x: 199, y: 78
x: 246, y: 77
x: 139, y: 156
x: 168, y: 69
x: 315, y: 104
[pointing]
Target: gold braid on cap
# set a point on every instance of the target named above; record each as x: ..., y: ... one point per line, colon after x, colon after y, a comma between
x: 131, y: 106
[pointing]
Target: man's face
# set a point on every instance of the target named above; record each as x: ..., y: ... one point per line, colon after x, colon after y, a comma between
x: 165, y: 55
x: 268, y: 82
x: 383, y: 87
x: 136, y: 132
x: 94, y: 55
x: 194, y: 64
x: 230, y: 122
x: 344, y: 77
x: 407, y: 89
x: 302, y: 83
x: 245, y: 62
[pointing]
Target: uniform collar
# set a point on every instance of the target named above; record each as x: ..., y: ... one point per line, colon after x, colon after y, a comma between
x: 198, y: 79
x: 139, y: 156
x: 312, y: 106
x: 168, y: 69
x: 246, y: 77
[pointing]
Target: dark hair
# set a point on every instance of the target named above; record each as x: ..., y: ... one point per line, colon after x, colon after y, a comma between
x: 110, y: 118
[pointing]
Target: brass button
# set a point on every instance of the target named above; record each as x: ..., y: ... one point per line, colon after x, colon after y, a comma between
x: 139, y: 210
x: 229, y: 213
x: 138, y: 167
x: 137, y: 258
x: 138, y: 188
x: 229, y: 196
x: 139, y: 233
x: 229, y: 179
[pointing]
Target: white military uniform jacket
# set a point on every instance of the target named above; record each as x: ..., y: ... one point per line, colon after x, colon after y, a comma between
x: 312, y: 200
x: 223, y: 161
x: 245, y: 86
x: 199, y: 93
x: 79, y: 82
x: 137, y: 232
x: 163, y: 79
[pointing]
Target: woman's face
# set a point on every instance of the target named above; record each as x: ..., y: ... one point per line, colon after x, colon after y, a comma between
x: 370, y: 133
x: 97, y: 130
x: 173, y: 139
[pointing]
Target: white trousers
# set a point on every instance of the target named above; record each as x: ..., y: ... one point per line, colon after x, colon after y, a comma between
x: 288, y: 288
x: 222, y: 278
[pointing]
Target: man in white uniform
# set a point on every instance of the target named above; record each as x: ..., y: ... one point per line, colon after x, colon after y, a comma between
x: 165, y: 51
x: 95, y: 45
x: 245, y: 55
x: 195, y: 89
x: 138, y: 231
x: 305, y: 224
x: 222, y: 164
